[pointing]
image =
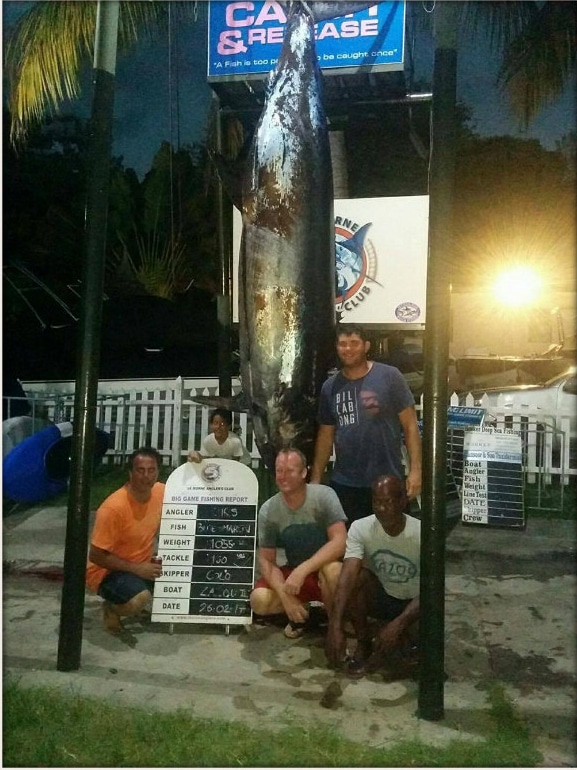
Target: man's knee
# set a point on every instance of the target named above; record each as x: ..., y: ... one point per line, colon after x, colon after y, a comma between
x: 263, y: 601
x: 134, y: 605
x: 329, y: 574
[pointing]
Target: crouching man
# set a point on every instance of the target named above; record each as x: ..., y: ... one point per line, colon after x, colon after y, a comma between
x: 379, y: 579
x: 121, y: 545
x: 308, y: 521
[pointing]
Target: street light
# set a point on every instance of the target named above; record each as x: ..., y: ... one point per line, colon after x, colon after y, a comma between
x: 518, y: 286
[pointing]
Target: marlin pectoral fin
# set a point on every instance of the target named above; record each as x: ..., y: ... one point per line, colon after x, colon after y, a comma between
x: 237, y: 403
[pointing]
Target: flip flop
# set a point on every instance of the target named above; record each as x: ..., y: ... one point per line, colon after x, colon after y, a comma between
x: 294, y: 630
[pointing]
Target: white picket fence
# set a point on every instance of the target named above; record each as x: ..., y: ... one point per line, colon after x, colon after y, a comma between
x: 163, y: 414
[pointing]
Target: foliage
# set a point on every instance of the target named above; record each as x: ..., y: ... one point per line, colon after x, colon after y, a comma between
x: 535, y: 74
x: 161, y: 230
x: 50, y: 44
x: 535, y: 41
x: 166, y: 233
x: 44, y: 728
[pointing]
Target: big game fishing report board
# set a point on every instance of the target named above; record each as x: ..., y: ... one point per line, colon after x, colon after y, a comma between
x: 207, y: 543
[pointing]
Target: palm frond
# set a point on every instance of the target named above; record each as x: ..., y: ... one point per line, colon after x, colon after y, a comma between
x: 48, y: 46
x: 41, y: 73
x: 537, y: 44
x: 158, y: 264
x: 541, y: 61
x: 502, y: 22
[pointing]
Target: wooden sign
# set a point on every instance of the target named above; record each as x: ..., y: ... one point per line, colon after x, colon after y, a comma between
x: 207, y: 543
x: 492, y: 491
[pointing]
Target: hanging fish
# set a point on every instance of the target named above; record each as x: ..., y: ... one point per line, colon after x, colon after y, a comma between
x: 287, y: 256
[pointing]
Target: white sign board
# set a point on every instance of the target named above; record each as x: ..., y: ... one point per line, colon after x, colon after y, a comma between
x: 207, y: 543
x: 492, y: 491
x: 381, y: 260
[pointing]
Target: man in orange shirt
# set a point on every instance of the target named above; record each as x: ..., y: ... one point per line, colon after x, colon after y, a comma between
x: 121, y: 546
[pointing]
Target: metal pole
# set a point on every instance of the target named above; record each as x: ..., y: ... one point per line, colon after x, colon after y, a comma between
x: 432, y: 616
x: 223, y: 297
x: 88, y: 356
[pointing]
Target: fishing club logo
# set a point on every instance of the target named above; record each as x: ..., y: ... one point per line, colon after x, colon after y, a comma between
x: 356, y: 265
x: 211, y: 472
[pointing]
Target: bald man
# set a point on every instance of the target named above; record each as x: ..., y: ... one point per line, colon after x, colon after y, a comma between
x: 379, y: 579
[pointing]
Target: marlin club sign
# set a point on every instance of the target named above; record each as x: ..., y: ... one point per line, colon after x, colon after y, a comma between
x: 381, y: 247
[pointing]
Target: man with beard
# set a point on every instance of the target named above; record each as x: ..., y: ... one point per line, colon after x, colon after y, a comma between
x: 367, y: 410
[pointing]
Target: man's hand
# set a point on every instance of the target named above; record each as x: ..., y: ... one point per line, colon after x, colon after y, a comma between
x: 413, y: 484
x: 294, y: 610
x: 388, y: 637
x: 194, y: 457
x: 293, y: 583
x: 147, y: 570
x: 336, y: 644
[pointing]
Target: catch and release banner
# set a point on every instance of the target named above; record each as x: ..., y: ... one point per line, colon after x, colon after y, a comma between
x: 245, y: 38
x: 381, y: 247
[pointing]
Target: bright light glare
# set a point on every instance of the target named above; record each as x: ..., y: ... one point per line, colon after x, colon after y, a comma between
x: 517, y: 287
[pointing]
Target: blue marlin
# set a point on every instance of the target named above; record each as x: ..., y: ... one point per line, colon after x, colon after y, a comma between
x: 287, y: 256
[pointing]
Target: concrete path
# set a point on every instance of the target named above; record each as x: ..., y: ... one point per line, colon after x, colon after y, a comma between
x: 510, y: 617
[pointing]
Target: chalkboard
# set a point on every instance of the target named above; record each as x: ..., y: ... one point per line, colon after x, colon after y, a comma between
x: 492, y: 492
x: 207, y: 543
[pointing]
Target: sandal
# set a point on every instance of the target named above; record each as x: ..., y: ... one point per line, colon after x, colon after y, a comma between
x: 294, y: 630
x: 356, y: 668
x: 357, y: 665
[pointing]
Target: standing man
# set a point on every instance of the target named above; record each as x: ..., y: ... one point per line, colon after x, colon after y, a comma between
x: 309, y: 523
x: 380, y: 579
x: 121, y: 545
x: 365, y: 410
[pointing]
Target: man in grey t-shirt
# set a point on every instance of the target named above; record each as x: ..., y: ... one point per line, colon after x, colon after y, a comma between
x: 308, y: 522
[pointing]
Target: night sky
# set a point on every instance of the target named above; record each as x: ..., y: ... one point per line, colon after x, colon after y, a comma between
x: 143, y: 101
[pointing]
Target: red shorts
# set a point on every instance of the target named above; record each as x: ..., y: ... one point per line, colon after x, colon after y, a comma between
x: 310, y: 589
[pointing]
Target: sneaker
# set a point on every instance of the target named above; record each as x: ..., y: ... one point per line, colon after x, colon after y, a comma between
x: 110, y: 619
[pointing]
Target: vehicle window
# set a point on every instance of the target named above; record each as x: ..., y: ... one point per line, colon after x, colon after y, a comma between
x: 571, y: 386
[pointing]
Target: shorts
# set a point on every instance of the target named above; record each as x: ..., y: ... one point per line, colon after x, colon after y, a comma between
x: 384, y: 606
x: 310, y: 589
x: 121, y: 587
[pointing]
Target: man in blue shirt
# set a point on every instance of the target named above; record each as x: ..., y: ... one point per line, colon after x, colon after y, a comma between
x: 366, y: 410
